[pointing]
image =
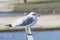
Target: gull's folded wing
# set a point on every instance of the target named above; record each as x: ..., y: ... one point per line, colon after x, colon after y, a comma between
x: 23, y: 21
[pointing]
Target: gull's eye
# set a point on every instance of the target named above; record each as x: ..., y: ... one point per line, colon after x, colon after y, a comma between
x: 33, y: 14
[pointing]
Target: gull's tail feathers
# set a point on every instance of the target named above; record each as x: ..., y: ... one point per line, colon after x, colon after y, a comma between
x: 9, y: 25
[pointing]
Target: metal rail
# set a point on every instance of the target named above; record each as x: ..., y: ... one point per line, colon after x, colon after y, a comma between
x: 29, y: 35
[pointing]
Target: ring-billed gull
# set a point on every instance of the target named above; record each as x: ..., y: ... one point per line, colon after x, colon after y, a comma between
x: 28, y: 20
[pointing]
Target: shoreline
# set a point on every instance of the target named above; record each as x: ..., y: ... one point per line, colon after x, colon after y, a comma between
x: 17, y: 29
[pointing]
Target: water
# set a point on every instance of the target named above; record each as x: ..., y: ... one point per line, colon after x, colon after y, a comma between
x: 11, y: 14
x: 38, y: 35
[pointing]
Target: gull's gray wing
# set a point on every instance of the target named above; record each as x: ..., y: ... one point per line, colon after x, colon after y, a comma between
x: 27, y: 21
x: 23, y: 21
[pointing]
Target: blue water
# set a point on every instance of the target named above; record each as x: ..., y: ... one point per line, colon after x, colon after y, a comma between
x: 38, y: 35
x: 11, y: 14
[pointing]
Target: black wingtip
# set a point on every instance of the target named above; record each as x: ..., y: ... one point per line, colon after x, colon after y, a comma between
x: 9, y: 25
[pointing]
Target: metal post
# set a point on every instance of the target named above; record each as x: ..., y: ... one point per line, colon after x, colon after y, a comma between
x: 29, y: 35
x: 25, y: 1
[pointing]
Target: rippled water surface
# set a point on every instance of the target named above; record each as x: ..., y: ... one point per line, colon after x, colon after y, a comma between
x: 38, y: 35
x: 11, y: 14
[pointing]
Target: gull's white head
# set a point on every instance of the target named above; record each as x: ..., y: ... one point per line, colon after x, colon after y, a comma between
x: 34, y: 14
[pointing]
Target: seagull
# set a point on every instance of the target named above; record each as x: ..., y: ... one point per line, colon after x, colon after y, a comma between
x: 27, y: 21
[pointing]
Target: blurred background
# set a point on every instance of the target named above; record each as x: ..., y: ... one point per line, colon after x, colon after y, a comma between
x: 47, y: 27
